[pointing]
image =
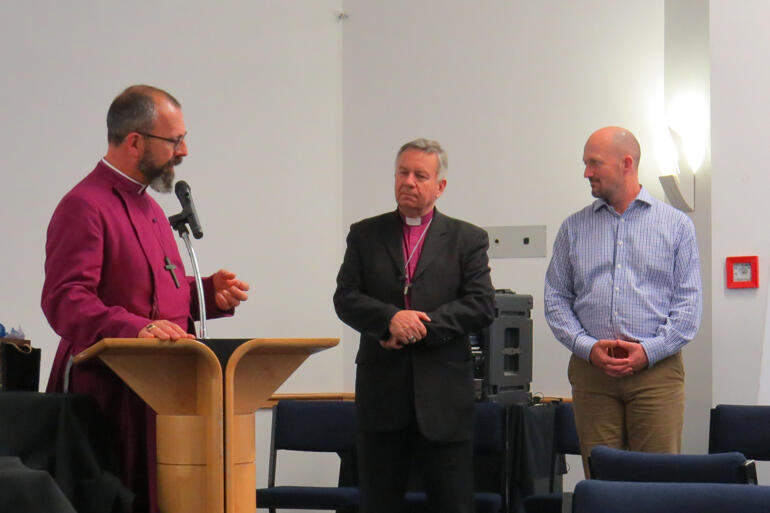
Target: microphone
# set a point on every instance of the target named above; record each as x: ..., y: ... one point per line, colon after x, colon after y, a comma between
x: 182, y: 191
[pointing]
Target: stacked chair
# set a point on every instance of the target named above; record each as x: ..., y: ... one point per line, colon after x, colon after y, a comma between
x: 609, y: 464
x: 595, y: 496
x: 636, y: 482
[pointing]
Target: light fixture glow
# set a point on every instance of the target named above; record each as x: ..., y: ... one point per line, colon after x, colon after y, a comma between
x: 665, y: 151
x: 687, y: 116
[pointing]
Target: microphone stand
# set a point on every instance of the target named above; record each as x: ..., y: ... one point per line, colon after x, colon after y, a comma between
x: 179, y: 223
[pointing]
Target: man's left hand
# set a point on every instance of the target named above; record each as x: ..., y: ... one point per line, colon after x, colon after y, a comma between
x: 228, y: 291
x: 637, y: 357
x: 408, y: 326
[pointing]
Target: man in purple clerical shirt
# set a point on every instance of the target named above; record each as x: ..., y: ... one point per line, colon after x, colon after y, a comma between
x: 415, y: 283
x: 110, y: 270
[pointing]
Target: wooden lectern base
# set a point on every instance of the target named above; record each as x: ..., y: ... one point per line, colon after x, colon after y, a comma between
x: 205, y: 424
x: 182, y: 463
x: 244, y: 468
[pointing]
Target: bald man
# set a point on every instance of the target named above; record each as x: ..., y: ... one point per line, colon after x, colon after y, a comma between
x: 623, y: 293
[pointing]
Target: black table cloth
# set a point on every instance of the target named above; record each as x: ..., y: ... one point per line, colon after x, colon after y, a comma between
x: 66, y: 436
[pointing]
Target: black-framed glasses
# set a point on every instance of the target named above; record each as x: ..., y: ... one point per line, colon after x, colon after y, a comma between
x: 177, y: 142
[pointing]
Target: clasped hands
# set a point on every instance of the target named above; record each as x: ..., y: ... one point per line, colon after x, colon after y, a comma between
x: 619, y: 358
x: 228, y: 293
x: 406, y: 327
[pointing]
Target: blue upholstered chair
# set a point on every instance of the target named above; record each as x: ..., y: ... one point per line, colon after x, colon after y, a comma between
x: 329, y: 426
x: 316, y: 426
x: 565, y: 442
x: 609, y: 464
x: 595, y: 496
x: 741, y: 428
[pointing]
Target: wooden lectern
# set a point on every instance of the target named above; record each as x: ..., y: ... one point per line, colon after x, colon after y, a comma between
x: 205, y: 394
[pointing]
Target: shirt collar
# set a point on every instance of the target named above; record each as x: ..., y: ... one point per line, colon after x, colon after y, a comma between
x: 643, y: 197
x: 413, y: 222
x: 142, y: 187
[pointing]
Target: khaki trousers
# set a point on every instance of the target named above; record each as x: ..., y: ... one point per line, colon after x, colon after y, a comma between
x: 643, y: 412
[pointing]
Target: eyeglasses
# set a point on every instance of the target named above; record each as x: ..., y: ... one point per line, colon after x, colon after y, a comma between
x: 177, y: 142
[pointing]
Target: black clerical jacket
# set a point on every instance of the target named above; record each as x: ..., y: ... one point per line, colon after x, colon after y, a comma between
x: 432, y: 379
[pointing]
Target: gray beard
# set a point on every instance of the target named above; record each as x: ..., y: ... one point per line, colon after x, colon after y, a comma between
x: 159, y: 178
x: 163, y: 183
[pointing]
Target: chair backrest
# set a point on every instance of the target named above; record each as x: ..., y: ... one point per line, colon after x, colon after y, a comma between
x: 565, y: 432
x: 742, y: 428
x: 319, y: 426
x: 489, y: 429
x: 596, y: 496
x: 617, y: 465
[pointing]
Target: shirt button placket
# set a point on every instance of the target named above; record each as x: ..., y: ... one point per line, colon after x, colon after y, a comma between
x: 618, y: 272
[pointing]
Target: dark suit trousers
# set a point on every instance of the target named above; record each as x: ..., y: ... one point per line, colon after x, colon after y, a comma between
x: 384, y: 462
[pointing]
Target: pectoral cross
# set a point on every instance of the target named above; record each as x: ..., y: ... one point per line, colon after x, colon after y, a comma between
x: 406, y: 287
x: 170, y: 268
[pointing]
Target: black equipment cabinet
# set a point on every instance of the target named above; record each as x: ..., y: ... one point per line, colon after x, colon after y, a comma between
x: 503, y: 352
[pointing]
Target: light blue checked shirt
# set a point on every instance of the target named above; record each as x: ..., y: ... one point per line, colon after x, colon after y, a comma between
x: 634, y: 276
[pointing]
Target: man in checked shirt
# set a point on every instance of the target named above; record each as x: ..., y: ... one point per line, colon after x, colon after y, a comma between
x: 623, y: 293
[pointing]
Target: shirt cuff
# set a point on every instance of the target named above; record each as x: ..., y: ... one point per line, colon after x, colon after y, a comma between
x: 583, y: 346
x: 655, y: 349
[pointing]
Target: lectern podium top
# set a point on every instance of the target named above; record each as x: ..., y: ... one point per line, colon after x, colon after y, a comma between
x: 172, y: 376
x: 221, y: 348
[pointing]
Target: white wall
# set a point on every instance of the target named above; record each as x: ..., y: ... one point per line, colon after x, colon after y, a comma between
x: 740, y: 79
x: 260, y: 86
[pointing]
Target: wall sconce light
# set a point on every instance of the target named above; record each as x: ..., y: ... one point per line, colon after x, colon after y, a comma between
x: 688, y: 128
x: 680, y: 186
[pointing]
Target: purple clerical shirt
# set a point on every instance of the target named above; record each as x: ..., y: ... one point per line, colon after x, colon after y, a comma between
x: 413, y: 239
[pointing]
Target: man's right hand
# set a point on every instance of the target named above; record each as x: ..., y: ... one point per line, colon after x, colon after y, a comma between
x: 407, y: 326
x: 604, y: 357
x: 164, y: 330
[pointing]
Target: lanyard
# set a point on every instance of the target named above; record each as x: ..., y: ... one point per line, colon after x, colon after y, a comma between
x: 407, y: 281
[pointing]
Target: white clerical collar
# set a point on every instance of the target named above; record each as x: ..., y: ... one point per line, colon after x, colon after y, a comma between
x: 416, y: 221
x: 124, y: 175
